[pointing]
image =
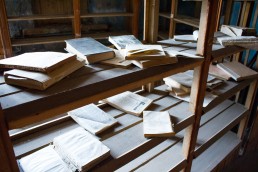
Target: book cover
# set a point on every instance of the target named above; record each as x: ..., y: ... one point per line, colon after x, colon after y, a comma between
x: 237, y: 70
x: 157, y: 124
x: 45, y: 159
x: 129, y: 102
x: 218, y: 73
x: 120, y: 42
x: 249, y: 42
x: 92, y: 118
x: 37, y: 61
x: 144, y: 52
x: 118, y: 60
x: 80, y: 148
x: 38, y: 80
x: 237, y: 30
x: 89, y: 49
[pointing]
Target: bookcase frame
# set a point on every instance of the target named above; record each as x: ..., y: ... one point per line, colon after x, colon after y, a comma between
x: 21, y: 107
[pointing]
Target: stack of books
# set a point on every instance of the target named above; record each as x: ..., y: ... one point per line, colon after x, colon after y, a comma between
x: 39, y: 70
x: 139, y: 54
x: 76, y: 150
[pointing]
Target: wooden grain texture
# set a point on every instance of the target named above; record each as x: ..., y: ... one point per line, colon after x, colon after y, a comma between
x: 77, y: 18
x: 38, y: 17
x: 173, y: 14
x: 191, y: 21
x: 4, y: 31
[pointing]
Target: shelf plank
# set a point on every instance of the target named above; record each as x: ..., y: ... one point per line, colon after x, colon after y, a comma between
x: 163, y: 35
x: 191, y: 21
x: 225, y: 52
x: 221, y: 124
x: 39, y: 17
x: 74, y: 92
x: 216, y: 153
x: 94, y: 15
x: 165, y: 15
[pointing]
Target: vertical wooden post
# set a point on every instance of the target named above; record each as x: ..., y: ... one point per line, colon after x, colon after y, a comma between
x: 151, y: 20
x: 228, y: 11
x: 204, y: 46
x: 6, y: 49
x: 218, y: 15
x: 172, y: 24
x: 77, y: 18
x: 7, y: 157
x: 135, y: 18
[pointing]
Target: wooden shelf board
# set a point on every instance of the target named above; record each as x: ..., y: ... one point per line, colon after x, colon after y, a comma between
x: 39, y: 17
x: 216, y: 153
x: 94, y: 15
x: 225, y: 52
x: 73, y: 92
x: 163, y: 35
x: 225, y: 91
x: 218, y: 126
x: 191, y: 21
x: 165, y: 15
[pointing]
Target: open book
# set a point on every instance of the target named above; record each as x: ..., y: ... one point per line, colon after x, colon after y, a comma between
x: 38, y: 61
x: 92, y: 118
x: 129, y: 102
x: 89, y: 49
x: 237, y: 70
x: 41, y: 81
x: 80, y: 149
x: 118, y: 60
x: 157, y: 124
x: 144, y: 52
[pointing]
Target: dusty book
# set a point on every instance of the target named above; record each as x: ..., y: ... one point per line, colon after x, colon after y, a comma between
x: 120, y: 42
x: 237, y: 30
x: 81, y: 149
x: 38, y: 61
x: 144, y: 52
x: 129, y: 102
x: 157, y: 124
x: 92, y: 118
x: 41, y: 81
x: 118, y: 60
x: 218, y: 73
x: 250, y: 42
x: 89, y: 49
x: 187, y: 38
x: 237, y: 70
x: 45, y: 159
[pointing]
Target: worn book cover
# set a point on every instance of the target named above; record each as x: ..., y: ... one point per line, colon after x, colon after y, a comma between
x: 237, y: 30
x: 249, y: 42
x: 157, y: 124
x: 80, y: 148
x: 92, y: 118
x: 218, y: 73
x: 120, y: 42
x: 45, y: 159
x: 118, y: 60
x: 41, y: 81
x: 38, y: 61
x: 144, y: 52
x: 89, y: 49
x: 129, y: 102
x: 237, y: 70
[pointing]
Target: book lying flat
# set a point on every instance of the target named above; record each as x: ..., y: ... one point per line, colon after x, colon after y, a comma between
x: 118, y: 60
x: 89, y: 49
x: 80, y: 148
x: 250, y: 42
x: 41, y: 81
x: 144, y: 52
x: 180, y: 81
x: 45, y: 159
x: 157, y: 124
x: 120, y: 42
x: 237, y: 70
x: 92, y: 118
x: 218, y: 73
x: 129, y: 102
x: 237, y: 30
x: 37, y: 61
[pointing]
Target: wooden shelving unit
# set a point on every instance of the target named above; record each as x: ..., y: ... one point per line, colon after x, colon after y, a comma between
x: 76, y: 22
x: 202, y: 132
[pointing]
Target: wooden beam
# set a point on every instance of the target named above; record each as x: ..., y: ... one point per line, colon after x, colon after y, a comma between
x: 172, y: 24
x: 218, y: 15
x: 208, y: 23
x: 228, y: 11
x: 77, y: 18
x: 135, y: 18
x: 7, y: 156
x: 6, y: 48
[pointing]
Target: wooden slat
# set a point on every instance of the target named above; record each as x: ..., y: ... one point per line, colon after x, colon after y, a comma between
x: 83, y: 90
x: 135, y: 17
x: 217, y: 127
x: 77, y: 19
x: 165, y: 15
x: 95, y: 15
x: 215, y: 154
x: 191, y: 21
x: 39, y: 17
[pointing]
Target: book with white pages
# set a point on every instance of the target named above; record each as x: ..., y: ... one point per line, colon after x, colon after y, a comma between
x: 80, y: 148
x: 92, y: 118
x: 157, y: 124
x: 45, y: 159
x: 129, y: 102
x: 118, y: 60
x: 121, y: 41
